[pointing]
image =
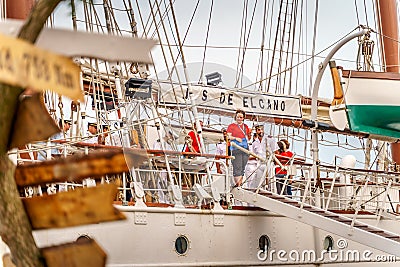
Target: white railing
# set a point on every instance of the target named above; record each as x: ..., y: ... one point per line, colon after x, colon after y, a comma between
x: 354, y: 190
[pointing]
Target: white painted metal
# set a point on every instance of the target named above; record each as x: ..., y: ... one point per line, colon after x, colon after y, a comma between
x: 74, y: 43
x: 338, y: 116
x: 355, y: 88
x: 319, y: 221
x: 211, y: 242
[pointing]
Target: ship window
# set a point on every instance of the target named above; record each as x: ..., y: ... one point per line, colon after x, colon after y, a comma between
x: 328, y: 243
x: 181, y: 244
x: 83, y: 239
x: 264, y: 243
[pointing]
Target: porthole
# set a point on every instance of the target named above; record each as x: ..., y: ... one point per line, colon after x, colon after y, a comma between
x: 83, y: 239
x: 328, y: 243
x: 181, y: 244
x: 264, y: 243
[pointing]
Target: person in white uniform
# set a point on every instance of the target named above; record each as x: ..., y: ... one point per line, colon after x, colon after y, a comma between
x: 167, y: 142
x: 162, y: 183
x: 92, y: 133
x: 260, y: 146
x: 251, y: 166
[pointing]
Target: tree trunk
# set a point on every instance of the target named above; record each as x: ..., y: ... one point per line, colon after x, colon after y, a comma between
x: 15, y: 227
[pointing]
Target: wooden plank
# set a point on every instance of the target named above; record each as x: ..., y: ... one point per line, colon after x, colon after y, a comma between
x: 78, y: 207
x: 82, y: 253
x: 78, y: 167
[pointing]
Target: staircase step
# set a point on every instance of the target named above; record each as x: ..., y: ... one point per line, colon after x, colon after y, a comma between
x: 332, y: 216
x: 363, y: 227
x: 394, y: 238
x: 277, y: 197
x: 289, y: 201
x: 389, y: 235
x: 320, y: 212
x: 375, y: 231
x: 343, y: 219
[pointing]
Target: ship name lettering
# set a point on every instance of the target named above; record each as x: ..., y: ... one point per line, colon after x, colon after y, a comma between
x: 283, y: 106
x: 261, y: 103
x: 187, y: 93
x: 269, y: 106
x: 228, y: 98
x: 265, y: 104
x: 204, y: 95
x: 248, y: 104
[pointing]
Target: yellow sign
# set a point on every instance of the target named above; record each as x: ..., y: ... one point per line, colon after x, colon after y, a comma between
x: 22, y: 64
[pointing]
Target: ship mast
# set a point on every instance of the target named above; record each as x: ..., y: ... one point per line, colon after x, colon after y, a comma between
x: 389, y: 29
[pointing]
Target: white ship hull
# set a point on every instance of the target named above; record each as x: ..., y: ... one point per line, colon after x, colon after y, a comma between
x: 226, y: 238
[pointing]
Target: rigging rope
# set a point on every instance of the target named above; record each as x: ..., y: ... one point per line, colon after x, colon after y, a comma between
x: 313, y: 46
x: 206, y: 41
x: 246, y: 39
x: 261, y: 61
x: 358, y: 17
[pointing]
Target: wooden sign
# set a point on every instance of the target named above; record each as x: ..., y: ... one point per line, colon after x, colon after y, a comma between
x: 7, y: 261
x: 82, y: 253
x: 77, y: 207
x: 76, y: 168
x: 32, y: 122
x: 22, y: 64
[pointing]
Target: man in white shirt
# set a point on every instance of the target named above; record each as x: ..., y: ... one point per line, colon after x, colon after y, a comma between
x: 168, y: 141
x: 261, y: 144
x: 251, y: 166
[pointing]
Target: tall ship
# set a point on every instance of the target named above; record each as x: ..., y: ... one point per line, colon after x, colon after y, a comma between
x: 321, y: 76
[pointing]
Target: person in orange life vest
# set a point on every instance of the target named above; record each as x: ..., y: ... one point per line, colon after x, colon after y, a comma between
x: 193, y: 140
x: 284, y: 156
x: 239, y: 133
